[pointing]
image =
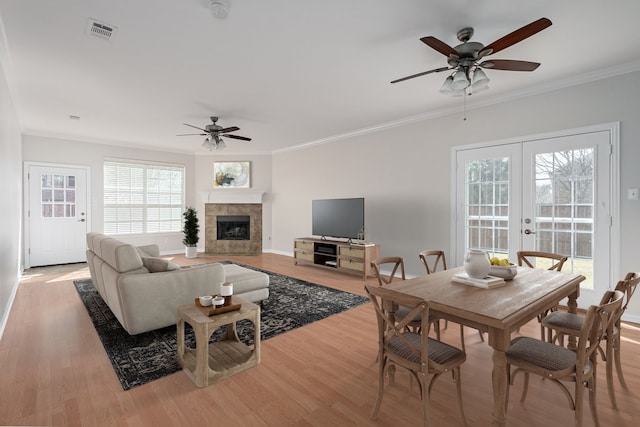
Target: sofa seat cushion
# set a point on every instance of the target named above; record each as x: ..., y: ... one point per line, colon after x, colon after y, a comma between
x: 157, y: 265
x: 243, y: 279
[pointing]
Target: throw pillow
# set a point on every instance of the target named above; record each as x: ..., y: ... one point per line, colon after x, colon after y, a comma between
x: 157, y: 265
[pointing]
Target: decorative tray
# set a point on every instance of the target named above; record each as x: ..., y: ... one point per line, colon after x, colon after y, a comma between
x: 211, y: 310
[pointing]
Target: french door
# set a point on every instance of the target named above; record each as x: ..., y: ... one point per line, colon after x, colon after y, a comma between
x: 56, y: 214
x: 552, y: 194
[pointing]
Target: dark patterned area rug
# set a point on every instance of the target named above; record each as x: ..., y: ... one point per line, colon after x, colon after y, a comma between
x: 146, y: 357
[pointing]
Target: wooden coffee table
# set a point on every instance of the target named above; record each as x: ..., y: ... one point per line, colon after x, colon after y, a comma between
x: 212, y: 362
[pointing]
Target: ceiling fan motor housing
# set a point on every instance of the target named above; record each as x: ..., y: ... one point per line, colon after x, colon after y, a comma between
x: 213, y: 127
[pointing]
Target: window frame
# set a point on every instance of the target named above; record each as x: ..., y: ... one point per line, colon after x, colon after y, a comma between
x: 128, y: 217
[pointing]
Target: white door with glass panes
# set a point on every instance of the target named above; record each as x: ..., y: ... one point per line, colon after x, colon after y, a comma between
x: 56, y: 214
x: 551, y: 194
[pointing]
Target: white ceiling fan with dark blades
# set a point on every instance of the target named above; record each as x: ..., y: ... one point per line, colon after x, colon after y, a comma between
x: 214, y: 134
x: 466, y: 60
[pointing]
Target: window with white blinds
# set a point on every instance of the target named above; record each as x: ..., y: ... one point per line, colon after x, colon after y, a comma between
x: 142, y: 197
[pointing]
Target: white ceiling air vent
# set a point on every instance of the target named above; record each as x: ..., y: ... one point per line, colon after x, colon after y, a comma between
x: 100, y: 29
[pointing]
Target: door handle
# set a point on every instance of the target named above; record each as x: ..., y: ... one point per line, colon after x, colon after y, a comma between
x: 527, y: 231
x: 81, y: 220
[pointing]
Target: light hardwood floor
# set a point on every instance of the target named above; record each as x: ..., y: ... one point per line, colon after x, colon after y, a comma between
x: 54, y: 371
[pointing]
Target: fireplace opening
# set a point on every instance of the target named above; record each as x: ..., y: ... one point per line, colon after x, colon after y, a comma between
x: 233, y: 227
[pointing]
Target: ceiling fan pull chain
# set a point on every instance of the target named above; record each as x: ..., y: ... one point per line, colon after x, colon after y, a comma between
x: 464, y: 107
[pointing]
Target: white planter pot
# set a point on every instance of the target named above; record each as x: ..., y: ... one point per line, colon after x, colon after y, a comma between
x: 190, y: 251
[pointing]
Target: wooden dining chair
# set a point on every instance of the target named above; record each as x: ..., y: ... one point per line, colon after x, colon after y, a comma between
x: 536, y: 259
x: 435, y: 260
x: 563, y: 323
x: 420, y: 355
x: 559, y: 364
x: 396, y: 265
x: 550, y: 261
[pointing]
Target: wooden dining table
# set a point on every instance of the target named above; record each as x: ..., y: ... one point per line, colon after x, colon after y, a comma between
x: 499, y: 311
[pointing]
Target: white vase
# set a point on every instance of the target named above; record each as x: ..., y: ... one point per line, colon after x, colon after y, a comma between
x: 191, y: 251
x: 477, y: 264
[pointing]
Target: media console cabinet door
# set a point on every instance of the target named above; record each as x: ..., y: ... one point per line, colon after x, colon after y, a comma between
x: 352, y: 265
x: 351, y: 251
x: 304, y: 245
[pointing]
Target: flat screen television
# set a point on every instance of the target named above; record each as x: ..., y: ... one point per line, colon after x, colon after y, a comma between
x: 341, y: 218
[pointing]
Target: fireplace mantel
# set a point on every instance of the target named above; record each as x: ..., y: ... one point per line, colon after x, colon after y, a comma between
x: 229, y: 195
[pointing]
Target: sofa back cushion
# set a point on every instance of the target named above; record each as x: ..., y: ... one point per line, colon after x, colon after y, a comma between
x: 93, y: 240
x: 123, y: 257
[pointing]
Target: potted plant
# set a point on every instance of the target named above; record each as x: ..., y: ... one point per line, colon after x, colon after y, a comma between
x: 190, y: 231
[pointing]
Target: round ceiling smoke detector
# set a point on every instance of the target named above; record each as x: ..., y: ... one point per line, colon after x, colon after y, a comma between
x: 219, y: 8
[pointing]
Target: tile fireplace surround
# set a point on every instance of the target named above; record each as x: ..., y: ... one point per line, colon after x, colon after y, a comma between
x: 233, y: 247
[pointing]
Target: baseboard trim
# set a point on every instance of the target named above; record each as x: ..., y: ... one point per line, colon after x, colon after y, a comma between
x: 5, y: 316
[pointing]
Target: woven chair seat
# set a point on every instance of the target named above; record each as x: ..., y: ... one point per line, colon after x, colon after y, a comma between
x: 562, y: 320
x: 439, y: 352
x: 402, y: 312
x: 540, y: 353
x: 565, y: 320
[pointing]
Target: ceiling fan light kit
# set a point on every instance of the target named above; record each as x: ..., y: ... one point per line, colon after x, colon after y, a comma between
x: 208, y: 144
x: 460, y: 80
x: 464, y: 59
x: 479, y: 82
x: 446, y: 89
x: 479, y: 78
x: 214, y: 144
x: 458, y: 83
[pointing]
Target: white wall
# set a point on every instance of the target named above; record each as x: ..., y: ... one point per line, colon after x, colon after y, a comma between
x: 404, y: 172
x: 11, y: 196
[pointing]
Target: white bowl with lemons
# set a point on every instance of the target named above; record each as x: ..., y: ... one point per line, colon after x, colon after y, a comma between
x: 503, y: 268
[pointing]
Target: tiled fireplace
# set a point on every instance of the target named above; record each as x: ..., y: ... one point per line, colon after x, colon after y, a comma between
x: 233, y: 228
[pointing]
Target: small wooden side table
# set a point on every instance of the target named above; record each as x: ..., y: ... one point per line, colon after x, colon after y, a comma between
x: 209, y: 363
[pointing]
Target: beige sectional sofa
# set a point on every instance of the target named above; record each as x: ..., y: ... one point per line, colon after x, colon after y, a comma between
x: 143, y: 290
